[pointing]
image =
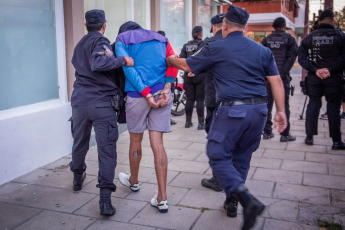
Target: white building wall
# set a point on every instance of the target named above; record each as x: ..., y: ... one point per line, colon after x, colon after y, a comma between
x: 34, y: 135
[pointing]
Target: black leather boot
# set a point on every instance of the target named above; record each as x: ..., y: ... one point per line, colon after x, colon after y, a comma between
x: 188, y: 122
x: 252, y: 207
x: 230, y: 205
x: 78, y: 179
x: 107, y: 209
x: 211, y: 183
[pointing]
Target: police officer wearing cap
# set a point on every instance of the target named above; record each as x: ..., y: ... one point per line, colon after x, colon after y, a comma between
x: 322, y: 54
x: 239, y: 66
x: 210, y: 95
x: 284, y: 49
x: 194, y: 86
x: 94, y: 88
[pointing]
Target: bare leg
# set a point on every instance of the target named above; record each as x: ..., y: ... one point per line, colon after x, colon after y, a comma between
x: 161, y: 163
x: 135, y: 155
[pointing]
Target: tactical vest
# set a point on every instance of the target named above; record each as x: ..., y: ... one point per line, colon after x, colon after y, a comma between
x: 326, y: 47
x: 277, y: 43
x: 192, y: 46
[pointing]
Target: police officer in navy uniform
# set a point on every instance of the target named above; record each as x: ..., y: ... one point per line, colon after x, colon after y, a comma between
x: 94, y: 89
x: 284, y: 49
x: 194, y: 86
x: 210, y: 95
x: 239, y: 66
x: 322, y: 54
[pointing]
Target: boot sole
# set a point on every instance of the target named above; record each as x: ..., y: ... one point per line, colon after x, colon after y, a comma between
x: 108, y: 213
x: 231, y: 214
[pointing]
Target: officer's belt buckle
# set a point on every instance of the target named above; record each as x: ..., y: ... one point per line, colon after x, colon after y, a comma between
x: 245, y: 101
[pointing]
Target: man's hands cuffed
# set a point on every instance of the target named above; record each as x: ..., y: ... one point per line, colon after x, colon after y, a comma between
x: 151, y: 100
x: 323, y: 73
x: 163, y: 98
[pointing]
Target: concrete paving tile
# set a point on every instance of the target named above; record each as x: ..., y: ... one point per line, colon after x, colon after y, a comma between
x: 147, y: 191
x: 61, y: 164
x: 172, y: 136
x: 251, y: 172
x: 278, y: 176
x: 197, y: 137
x: 201, y: 147
x: 260, y: 162
x: 147, y: 175
x: 284, y: 154
x: 309, y: 212
x: 61, y: 179
x: 189, y: 180
x: 302, y: 166
x: 188, y: 166
x: 299, y: 134
x: 306, y: 148
x: 324, y: 181
x: 329, y: 150
x: 13, y: 215
x: 271, y: 144
x: 260, y: 188
x: 125, y: 209
x: 106, y: 225
x: 259, y: 152
x: 182, y: 154
x: 60, y: 200
x: 33, y: 176
x: 336, y: 169
x: 56, y: 221
x: 323, y: 141
x: 325, y: 158
x: 202, y: 157
x: 283, y: 210
x: 197, y: 198
x: 301, y: 193
x: 217, y: 220
x: 177, y: 217
x: 19, y: 193
x: 175, y: 144
x: 338, y: 198
x: 121, y: 191
x: 271, y: 224
x: 122, y: 147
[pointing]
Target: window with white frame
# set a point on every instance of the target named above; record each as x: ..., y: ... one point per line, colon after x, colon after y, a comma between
x: 28, y: 56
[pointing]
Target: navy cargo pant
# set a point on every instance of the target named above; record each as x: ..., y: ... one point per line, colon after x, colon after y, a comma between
x: 235, y: 134
x: 103, y: 118
x: 332, y: 89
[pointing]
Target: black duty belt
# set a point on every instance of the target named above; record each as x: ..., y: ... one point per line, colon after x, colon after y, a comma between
x: 245, y: 101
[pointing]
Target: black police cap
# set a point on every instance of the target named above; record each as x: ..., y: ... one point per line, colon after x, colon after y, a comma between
x: 216, y: 19
x: 197, y: 30
x: 95, y: 17
x: 237, y: 15
x: 326, y: 14
x: 278, y: 22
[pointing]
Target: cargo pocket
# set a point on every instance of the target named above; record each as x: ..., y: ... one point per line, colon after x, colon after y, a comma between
x: 237, y: 113
x: 215, y: 146
x: 71, y: 120
x: 112, y: 131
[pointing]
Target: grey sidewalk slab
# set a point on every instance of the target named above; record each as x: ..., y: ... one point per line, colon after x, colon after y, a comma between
x: 176, y: 218
x: 14, y: 215
x: 302, y: 166
x: 324, y: 181
x: 106, y: 225
x: 278, y: 176
x: 56, y: 221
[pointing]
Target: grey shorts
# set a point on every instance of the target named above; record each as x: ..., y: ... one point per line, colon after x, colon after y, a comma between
x: 140, y: 116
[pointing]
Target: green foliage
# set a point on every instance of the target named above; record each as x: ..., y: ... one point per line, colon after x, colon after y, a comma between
x: 330, y: 224
x: 339, y: 18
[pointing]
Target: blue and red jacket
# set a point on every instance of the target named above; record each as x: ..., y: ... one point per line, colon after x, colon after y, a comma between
x: 149, y: 51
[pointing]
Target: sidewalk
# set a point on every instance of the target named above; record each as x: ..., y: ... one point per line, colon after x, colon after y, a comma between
x: 298, y: 183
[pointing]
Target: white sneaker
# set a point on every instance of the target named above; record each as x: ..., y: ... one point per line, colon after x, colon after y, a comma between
x: 124, y: 180
x: 161, y: 206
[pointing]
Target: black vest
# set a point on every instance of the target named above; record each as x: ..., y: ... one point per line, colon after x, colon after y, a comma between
x: 192, y: 46
x: 326, y: 47
x: 278, y: 43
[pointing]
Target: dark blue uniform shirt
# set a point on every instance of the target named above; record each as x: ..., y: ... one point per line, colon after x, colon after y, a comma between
x: 239, y: 66
x: 94, y: 73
